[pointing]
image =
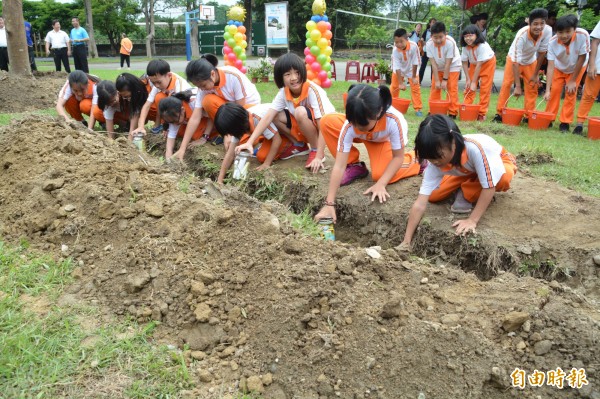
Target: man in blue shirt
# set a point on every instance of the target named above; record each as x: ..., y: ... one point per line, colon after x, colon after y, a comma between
x: 30, y: 48
x: 79, y: 38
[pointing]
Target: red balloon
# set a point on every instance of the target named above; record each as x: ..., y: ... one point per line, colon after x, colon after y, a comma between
x: 326, y: 84
x: 231, y: 57
x: 309, y: 58
x: 306, y: 51
x: 322, y: 74
x: 315, y: 66
x: 239, y: 64
x: 328, y: 25
x: 243, y: 69
x: 227, y: 50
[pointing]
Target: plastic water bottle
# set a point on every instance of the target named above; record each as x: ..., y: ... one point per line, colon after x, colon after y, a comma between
x: 241, y: 165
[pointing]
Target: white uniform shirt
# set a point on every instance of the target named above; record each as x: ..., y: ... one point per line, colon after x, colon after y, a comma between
x: 233, y: 86
x: 174, y: 127
x: 524, y: 49
x: 391, y: 127
x: 479, y: 53
x: 66, y: 93
x: 312, y: 97
x: 596, y: 35
x: 446, y: 50
x: 58, y: 39
x: 565, y: 57
x: 405, y: 59
x: 258, y: 112
x: 176, y: 85
x: 3, y: 42
x: 483, y: 158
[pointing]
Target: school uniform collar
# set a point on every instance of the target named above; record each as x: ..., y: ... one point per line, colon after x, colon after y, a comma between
x: 303, y: 94
x: 222, y: 79
x: 473, y: 51
x: 568, y: 46
x: 464, y: 158
x: 440, y: 47
x: 379, y: 127
x: 406, y: 49
x: 531, y: 37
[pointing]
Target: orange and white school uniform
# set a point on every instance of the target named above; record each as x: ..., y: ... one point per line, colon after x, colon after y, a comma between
x: 178, y: 130
x: 439, y: 54
x: 233, y: 86
x: 390, y: 133
x: 565, y: 58
x: 591, y: 88
x: 483, y: 53
x: 404, y: 61
x: 176, y: 85
x: 74, y: 106
x: 524, y: 51
x: 312, y: 97
x: 255, y: 114
x: 484, y: 164
x: 153, y: 107
x: 118, y: 114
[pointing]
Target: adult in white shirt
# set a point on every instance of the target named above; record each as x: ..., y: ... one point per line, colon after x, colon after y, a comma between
x: 60, y: 43
x: 3, y: 47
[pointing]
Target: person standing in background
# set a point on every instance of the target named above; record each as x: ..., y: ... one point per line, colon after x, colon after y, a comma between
x: 30, y: 48
x: 79, y: 38
x: 424, y: 58
x: 3, y: 47
x: 126, y: 47
x: 415, y: 35
x: 61, y: 46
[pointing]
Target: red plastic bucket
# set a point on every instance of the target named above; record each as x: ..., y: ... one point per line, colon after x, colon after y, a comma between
x: 594, y: 128
x: 468, y: 112
x: 538, y: 120
x: 512, y: 116
x: 401, y: 104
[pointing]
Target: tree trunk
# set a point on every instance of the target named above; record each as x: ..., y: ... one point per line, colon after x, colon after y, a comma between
x: 248, y: 25
x: 15, y: 35
x: 90, y: 28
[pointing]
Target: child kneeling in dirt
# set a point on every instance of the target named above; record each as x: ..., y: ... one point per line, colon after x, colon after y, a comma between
x: 234, y: 120
x: 370, y: 119
x: 474, y: 167
x: 76, y: 97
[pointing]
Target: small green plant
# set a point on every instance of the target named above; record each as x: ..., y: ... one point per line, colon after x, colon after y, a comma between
x: 264, y: 68
x: 184, y: 183
x: 384, y: 69
x: 304, y: 222
x: 133, y: 197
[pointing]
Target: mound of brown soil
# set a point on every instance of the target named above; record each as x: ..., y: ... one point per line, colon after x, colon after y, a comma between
x: 262, y: 307
x: 19, y: 94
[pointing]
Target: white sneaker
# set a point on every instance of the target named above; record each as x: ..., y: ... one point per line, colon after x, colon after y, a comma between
x: 129, y: 69
x: 119, y: 68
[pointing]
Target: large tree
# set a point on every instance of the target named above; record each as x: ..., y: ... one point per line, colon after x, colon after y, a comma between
x: 15, y: 35
x: 113, y: 17
x: 90, y: 28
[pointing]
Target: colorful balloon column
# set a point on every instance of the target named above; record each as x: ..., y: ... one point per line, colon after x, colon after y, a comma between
x: 234, y: 47
x: 318, y: 46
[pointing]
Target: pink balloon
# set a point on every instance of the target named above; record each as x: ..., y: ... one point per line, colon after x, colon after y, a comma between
x: 315, y: 66
x: 328, y: 26
x: 309, y: 58
x: 243, y: 69
x: 306, y: 51
x: 322, y: 75
x: 231, y: 56
x: 227, y: 50
x: 239, y: 64
x: 326, y: 84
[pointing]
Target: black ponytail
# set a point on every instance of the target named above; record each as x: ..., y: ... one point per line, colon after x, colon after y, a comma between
x: 185, y: 95
x: 367, y: 103
x: 170, y: 106
x: 106, y: 91
x: 199, y: 70
x: 211, y: 58
x: 232, y: 118
x: 438, y: 132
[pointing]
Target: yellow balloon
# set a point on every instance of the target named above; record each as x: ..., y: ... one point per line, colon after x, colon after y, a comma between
x: 327, y: 51
x: 315, y: 35
x: 323, y: 43
x: 232, y: 29
x: 319, y: 7
x: 311, y: 25
x: 238, y: 37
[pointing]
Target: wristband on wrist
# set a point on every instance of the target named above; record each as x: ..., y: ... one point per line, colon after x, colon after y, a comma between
x: 444, y: 78
x: 328, y: 203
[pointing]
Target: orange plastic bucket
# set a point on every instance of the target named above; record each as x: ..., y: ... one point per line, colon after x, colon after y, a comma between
x: 512, y: 116
x: 439, y: 106
x: 468, y: 112
x: 594, y: 128
x: 538, y: 120
x: 401, y: 104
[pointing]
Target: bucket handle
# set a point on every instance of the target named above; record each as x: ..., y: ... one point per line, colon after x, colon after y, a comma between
x: 509, y: 97
x: 538, y: 104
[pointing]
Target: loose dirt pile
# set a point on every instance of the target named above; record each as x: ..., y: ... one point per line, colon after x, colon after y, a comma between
x: 258, y: 306
x: 25, y: 94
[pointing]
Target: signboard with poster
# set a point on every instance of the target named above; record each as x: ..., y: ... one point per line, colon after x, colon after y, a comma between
x: 276, y: 21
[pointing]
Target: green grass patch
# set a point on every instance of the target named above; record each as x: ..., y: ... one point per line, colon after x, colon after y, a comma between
x: 45, y: 351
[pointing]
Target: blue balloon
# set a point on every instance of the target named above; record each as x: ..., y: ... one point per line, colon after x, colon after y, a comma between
x: 324, y: 18
x: 230, y: 22
x: 238, y: 23
x: 316, y: 18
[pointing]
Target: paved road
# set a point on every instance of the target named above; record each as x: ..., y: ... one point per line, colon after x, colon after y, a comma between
x: 179, y: 66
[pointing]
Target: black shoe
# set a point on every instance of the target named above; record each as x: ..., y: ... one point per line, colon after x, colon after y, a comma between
x: 452, y: 116
x: 84, y: 123
x: 497, y: 118
x: 578, y: 130
x: 564, y: 127
x: 550, y: 125
x: 525, y: 120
